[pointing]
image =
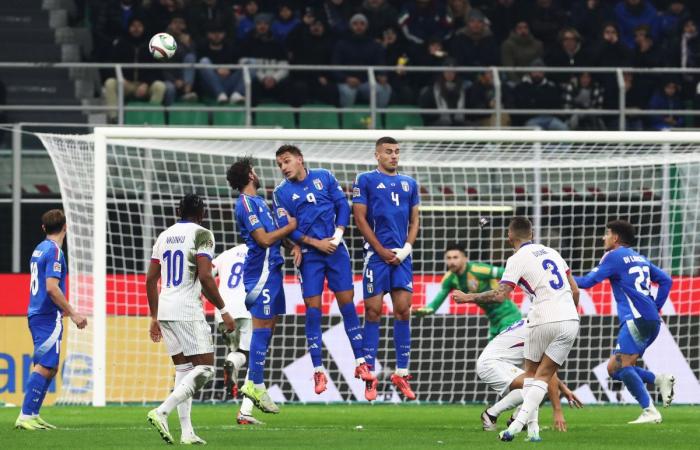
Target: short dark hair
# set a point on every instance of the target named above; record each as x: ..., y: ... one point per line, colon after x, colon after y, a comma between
x: 521, y: 226
x: 455, y: 246
x: 53, y: 220
x: 191, y: 205
x: 624, y: 230
x: 238, y: 175
x: 288, y: 148
x: 385, y: 140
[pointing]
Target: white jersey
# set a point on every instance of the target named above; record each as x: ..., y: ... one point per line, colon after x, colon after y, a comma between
x: 229, y: 266
x: 176, y: 250
x: 508, y: 346
x: 542, y: 273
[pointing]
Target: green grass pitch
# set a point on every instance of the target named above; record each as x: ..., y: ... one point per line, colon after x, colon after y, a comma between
x: 332, y: 427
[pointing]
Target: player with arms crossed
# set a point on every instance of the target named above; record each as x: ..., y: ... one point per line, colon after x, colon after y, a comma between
x: 46, y: 303
x: 229, y: 267
x: 385, y: 207
x: 499, y: 366
x: 181, y: 260
x: 553, y: 320
x: 262, y: 274
x: 473, y: 277
x: 315, y: 199
x: 630, y: 274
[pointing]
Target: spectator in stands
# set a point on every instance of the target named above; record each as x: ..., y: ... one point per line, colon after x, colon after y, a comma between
x: 202, y: 13
x: 285, y: 22
x: 180, y: 82
x: 569, y: 53
x: 545, y: 19
x: 161, y: 11
x: 588, y: 16
x: 610, y: 52
x: 631, y: 14
x: 535, y: 91
x: 138, y: 83
x: 636, y: 99
x: 245, y: 21
x: 646, y: 55
x: 684, y: 51
x: 225, y: 85
x: 457, y: 13
x: 399, y: 54
x: 361, y: 50
x: 482, y: 95
x: 474, y: 44
x: 311, y: 45
x: 112, y: 22
x: 447, y: 92
x: 671, y: 20
x: 432, y: 55
x: 582, y: 92
x: 504, y: 15
x: 520, y: 49
x: 422, y: 19
x: 269, y: 84
x: 380, y: 15
x: 336, y: 15
x: 669, y: 99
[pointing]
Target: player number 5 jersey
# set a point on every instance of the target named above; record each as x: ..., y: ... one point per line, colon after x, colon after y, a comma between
x: 542, y: 273
x: 176, y: 250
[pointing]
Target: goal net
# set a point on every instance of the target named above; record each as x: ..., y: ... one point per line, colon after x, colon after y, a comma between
x: 127, y: 181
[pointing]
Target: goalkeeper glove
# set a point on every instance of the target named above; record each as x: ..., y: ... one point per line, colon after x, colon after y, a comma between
x: 403, y: 253
x: 424, y: 311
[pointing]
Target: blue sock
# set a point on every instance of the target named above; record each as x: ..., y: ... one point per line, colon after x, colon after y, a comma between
x: 37, y: 407
x: 352, y: 328
x: 634, y: 384
x: 313, y: 335
x: 258, y: 351
x: 34, y: 391
x: 370, y: 342
x: 402, y: 342
x: 647, y: 376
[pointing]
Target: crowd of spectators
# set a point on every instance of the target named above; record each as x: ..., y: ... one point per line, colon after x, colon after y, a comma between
x: 450, y: 34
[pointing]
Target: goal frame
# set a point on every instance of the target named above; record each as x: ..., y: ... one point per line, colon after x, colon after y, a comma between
x: 535, y: 137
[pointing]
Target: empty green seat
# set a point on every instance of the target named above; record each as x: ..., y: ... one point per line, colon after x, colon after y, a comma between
x: 229, y: 116
x: 357, y: 120
x: 284, y: 119
x: 316, y: 119
x: 143, y: 116
x: 190, y: 116
x: 401, y: 120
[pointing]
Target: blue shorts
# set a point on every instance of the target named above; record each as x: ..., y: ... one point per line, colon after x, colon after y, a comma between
x: 316, y: 267
x: 47, y: 331
x: 265, y: 295
x: 635, y: 336
x: 379, y: 277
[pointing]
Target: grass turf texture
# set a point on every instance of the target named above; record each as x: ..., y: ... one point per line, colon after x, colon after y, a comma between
x: 334, y: 427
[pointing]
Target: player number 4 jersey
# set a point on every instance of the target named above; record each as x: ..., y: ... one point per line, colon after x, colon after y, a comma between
x: 176, y: 250
x: 229, y: 266
x: 542, y: 273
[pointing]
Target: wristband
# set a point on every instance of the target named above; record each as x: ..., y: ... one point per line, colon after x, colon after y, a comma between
x: 338, y: 236
x: 223, y: 311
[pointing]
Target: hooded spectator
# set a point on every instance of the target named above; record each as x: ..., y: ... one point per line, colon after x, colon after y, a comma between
x: 285, y: 22
x: 520, y: 49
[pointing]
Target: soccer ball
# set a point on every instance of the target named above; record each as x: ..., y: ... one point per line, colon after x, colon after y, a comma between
x: 162, y: 46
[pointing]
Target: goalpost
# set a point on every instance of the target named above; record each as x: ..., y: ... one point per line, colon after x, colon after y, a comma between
x: 120, y: 186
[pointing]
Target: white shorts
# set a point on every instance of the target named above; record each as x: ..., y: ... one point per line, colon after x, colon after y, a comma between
x: 554, y: 339
x: 240, y: 338
x: 187, y: 337
x: 497, y: 374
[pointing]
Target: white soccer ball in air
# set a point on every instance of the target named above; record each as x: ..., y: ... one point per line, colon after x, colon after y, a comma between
x: 162, y: 46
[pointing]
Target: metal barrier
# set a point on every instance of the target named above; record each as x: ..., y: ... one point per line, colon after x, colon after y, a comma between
x: 499, y: 73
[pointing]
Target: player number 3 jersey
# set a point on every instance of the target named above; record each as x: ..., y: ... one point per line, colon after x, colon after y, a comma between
x: 176, y: 250
x: 542, y: 273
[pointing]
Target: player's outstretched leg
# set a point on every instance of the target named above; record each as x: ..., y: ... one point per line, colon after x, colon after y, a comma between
x: 254, y: 388
x: 509, y: 401
x: 633, y: 382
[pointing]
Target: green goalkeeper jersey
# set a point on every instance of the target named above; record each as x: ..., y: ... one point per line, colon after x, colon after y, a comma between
x: 480, y: 277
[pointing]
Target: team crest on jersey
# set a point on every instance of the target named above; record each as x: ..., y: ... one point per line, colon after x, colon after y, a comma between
x: 57, y: 266
x: 253, y: 220
x: 318, y: 184
x: 404, y: 186
x: 355, y: 192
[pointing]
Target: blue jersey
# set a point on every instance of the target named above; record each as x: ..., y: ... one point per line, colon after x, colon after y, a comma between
x: 252, y: 213
x: 389, y: 201
x: 317, y: 202
x: 47, y: 262
x: 630, y: 274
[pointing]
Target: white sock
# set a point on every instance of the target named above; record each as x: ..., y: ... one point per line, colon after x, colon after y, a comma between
x: 238, y: 359
x: 401, y: 372
x: 247, y: 407
x: 190, y: 384
x: 359, y: 361
x: 318, y: 369
x: 509, y: 401
x: 533, y: 396
x: 25, y: 416
x: 184, y: 408
x: 259, y: 386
